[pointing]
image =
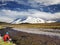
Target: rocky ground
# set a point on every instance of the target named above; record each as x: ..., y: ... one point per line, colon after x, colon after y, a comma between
x: 33, y: 36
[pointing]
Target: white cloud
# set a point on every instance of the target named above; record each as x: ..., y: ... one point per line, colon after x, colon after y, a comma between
x: 45, y: 2
x: 48, y: 2
x: 34, y: 3
x: 6, y: 0
x: 57, y: 15
x: 36, y: 13
x: 3, y: 4
x: 6, y: 19
x: 9, y: 15
x: 14, y: 13
x: 38, y: 3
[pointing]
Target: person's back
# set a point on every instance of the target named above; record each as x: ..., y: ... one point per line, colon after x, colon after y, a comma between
x: 6, y: 37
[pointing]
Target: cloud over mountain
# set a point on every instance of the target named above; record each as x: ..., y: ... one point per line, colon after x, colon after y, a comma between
x: 45, y: 9
x: 34, y: 13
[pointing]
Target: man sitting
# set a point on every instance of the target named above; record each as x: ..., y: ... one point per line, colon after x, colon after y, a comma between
x: 6, y: 37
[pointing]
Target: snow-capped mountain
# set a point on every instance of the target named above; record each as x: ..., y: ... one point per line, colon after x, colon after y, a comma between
x: 17, y: 21
x: 32, y: 20
x: 29, y: 20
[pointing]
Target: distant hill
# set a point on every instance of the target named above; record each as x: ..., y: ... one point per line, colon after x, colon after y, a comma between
x: 4, y: 23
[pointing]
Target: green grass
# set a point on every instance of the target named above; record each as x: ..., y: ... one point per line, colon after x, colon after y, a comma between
x: 5, y: 43
x: 1, y: 27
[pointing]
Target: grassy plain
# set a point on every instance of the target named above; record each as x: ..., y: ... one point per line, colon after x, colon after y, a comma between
x: 42, y: 25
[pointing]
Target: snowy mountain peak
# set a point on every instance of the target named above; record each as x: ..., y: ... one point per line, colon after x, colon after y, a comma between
x: 33, y: 20
x: 29, y: 19
x: 16, y: 21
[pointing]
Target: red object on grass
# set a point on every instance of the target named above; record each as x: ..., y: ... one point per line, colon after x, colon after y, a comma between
x: 6, y: 37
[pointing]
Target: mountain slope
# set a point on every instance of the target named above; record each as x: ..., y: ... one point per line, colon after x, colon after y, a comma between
x: 16, y: 21
x: 33, y: 20
x: 29, y: 20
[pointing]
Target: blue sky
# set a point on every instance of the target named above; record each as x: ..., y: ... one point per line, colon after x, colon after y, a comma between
x: 12, y: 9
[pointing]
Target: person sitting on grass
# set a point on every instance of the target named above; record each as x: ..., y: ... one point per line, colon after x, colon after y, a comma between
x: 6, y: 37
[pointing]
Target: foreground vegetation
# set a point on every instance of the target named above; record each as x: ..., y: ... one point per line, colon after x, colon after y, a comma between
x: 5, y: 43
